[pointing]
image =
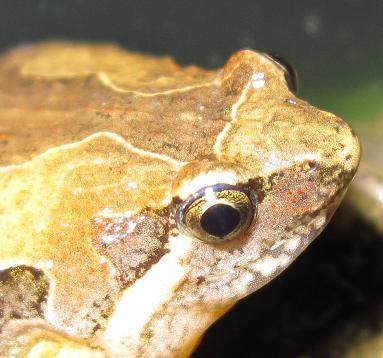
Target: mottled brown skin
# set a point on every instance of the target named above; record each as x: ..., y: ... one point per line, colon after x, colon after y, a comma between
x: 99, y: 146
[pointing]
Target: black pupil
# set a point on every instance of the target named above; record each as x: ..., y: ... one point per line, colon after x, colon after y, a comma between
x: 220, y: 220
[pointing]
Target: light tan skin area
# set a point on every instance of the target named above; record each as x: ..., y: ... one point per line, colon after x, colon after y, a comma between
x: 99, y: 147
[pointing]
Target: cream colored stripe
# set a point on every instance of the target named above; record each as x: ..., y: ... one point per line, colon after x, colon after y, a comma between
x: 145, y: 297
x: 110, y: 135
x: 145, y: 153
x: 104, y: 78
x: 233, y: 114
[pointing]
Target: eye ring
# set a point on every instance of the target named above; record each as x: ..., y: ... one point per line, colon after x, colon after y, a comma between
x: 217, y: 213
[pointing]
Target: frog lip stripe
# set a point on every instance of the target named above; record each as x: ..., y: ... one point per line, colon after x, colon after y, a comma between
x: 127, y: 323
x: 127, y: 246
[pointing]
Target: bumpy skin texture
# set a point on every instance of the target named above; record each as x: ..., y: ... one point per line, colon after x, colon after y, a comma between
x: 98, y: 146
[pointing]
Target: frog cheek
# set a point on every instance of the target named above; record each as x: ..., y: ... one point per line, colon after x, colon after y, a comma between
x: 291, y: 215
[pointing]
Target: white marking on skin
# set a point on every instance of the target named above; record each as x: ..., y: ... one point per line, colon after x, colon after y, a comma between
x: 109, y: 213
x: 148, y: 294
x: 118, y: 219
x: 132, y: 185
x: 105, y: 80
x: 107, y: 239
x: 206, y: 179
x: 233, y: 114
x: 65, y: 224
x: 142, y: 152
x: 131, y: 226
x: 277, y: 244
x: 320, y: 221
x: 210, y: 195
x: 39, y: 227
x: 110, y: 135
x: 292, y: 101
x: 102, y: 260
x: 268, y: 265
x: 306, y: 156
x: 258, y: 80
x: 45, y: 264
x: 292, y: 244
x: 201, y: 108
x: 273, y: 162
x: 243, y: 282
x: 77, y: 191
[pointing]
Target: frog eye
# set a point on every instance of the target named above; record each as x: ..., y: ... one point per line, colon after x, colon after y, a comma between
x: 291, y: 74
x: 217, y: 213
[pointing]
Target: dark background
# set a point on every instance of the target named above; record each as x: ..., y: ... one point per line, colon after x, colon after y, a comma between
x: 327, y: 40
x: 316, y: 307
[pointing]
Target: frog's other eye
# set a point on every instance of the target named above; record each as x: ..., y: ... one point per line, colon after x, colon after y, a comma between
x: 217, y: 213
x: 291, y: 74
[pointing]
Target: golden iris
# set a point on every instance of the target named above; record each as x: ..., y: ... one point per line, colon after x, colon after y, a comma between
x: 217, y: 213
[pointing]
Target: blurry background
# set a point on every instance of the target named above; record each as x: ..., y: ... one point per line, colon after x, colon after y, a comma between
x: 332, y: 43
x: 330, y: 302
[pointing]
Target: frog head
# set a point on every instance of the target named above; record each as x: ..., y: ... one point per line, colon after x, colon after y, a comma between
x: 163, y: 197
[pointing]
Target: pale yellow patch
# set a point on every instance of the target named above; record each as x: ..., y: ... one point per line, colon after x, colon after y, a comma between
x: 207, y: 179
x: 268, y: 265
x: 146, y: 296
x: 51, y: 349
x: 106, y: 81
x: 293, y: 244
x: 233, y: 114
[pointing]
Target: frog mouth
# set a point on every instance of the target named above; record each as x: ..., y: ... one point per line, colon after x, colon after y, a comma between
x: 273, y: 257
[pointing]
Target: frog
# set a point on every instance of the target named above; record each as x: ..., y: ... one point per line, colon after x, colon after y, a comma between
x: 141, y: 200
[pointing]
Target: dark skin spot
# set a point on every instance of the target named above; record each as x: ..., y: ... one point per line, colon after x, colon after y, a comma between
x: 200, y: 280
x: 257, y: 185
x: 133, y: 253
x: 23, y: 292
